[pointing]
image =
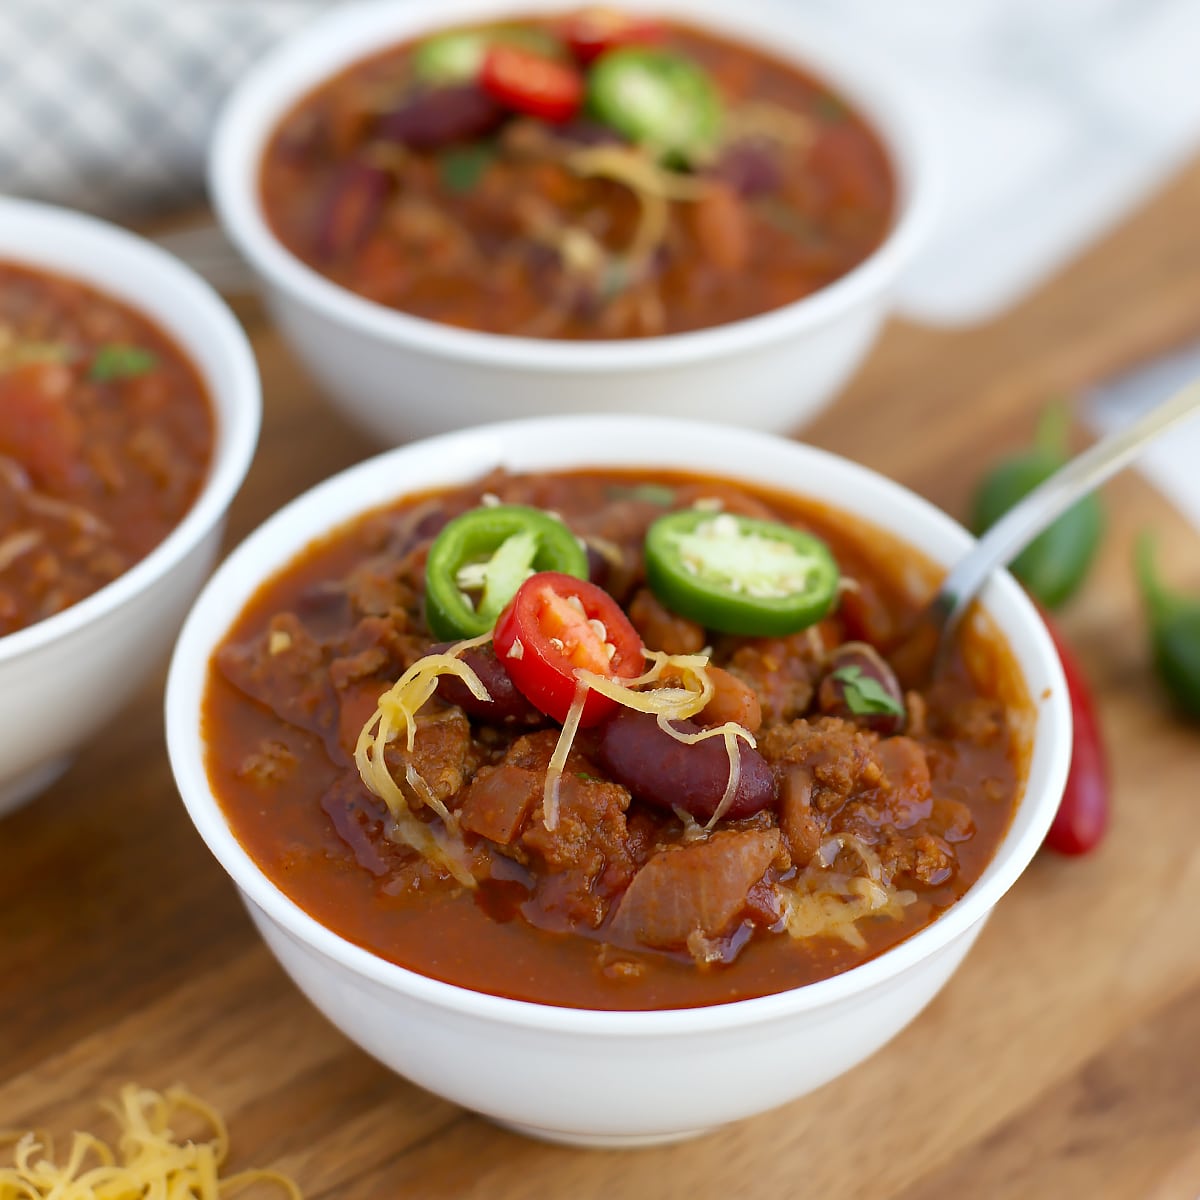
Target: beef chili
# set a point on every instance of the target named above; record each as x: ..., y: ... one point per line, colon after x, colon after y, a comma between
x: 589, y: 175
x: 601, y: 801
x: 106, y: 437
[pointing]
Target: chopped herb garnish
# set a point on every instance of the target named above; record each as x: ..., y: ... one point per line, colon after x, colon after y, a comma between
x: 586, y: 777
x: 864, y: 694
x: 830, y: 108
x: 462, y: 168
x: 651, y: 493
x: 116, y: 361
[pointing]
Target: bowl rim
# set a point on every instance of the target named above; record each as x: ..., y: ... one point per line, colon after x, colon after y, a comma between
x: 338, y: 38
x: 237, y: 408
x: 468, y: 454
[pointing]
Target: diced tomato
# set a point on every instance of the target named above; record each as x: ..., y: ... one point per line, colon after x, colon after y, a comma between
x: 38, y: 427
x: 557, y: 624
x: 531, y: 83
x: 592, y: 31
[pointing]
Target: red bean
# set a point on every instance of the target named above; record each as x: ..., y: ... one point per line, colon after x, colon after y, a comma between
x: 441, y: 117
x: 351, y: 209
x: 661, y: 771
x: 749, y: 168
x: 1082, y: 817
x: 871, y: 667
x: 506, y: 707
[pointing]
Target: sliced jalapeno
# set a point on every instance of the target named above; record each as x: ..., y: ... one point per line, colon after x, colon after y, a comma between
x: 739, y: 575
x: 656, y: 98
x: 480, y: 559
x: 457, y: 56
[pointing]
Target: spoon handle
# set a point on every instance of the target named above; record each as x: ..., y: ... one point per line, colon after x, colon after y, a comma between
x: 1047, y: 502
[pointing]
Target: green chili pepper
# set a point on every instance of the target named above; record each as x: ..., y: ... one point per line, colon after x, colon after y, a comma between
x: 658, y: 99
x: 457, y: 56
x: 739, y: 575
x: 1056, y: 562
x: 480, y: 559
x: 116, y: 361
x: 1174, y: 632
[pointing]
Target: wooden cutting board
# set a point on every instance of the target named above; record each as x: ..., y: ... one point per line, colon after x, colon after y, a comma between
x: 1063, y: 1060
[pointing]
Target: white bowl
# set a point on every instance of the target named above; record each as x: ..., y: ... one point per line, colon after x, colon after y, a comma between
x: 63, y: 678
x: 398, y: 376
x: 591, y: 1077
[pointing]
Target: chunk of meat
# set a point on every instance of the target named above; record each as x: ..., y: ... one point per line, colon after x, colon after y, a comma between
x: 840, y: 756
x: 498, y: 802
x: 443, y: 754
x: 590, y: 855
x: 783, y: 673
x: 697, y: 887
x: 377, y: 645
x: 284, y: 669
x: 926, y: 859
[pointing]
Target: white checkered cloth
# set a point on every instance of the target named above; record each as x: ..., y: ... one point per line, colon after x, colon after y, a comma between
x: 107, y: 104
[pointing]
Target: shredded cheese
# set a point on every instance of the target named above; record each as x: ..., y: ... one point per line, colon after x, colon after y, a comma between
x: 558, y: 760
x: 825, y: 903
x: 148, y: 1162
x: 395, y: 714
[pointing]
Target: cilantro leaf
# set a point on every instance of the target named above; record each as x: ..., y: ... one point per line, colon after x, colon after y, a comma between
x: 462, y: 168
x: 116, y: 361
x: 865, y: 695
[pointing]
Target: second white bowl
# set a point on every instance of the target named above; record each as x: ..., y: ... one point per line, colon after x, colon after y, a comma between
x: 63, y: 678
x: 398, y: 376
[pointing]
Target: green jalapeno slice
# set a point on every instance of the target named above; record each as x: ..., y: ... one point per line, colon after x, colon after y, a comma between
x: 739, y: 575
x: 658, y: 99
x: 480, y: 559
x: 457, y: 56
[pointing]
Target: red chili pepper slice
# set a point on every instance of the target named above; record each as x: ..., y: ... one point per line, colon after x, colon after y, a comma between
x: 1082, y: 817
x: 557, y: 624
x: 531, y: 83
x: 593, y: 31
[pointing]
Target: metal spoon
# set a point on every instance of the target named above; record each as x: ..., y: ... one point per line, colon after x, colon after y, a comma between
x: 1044, y: 505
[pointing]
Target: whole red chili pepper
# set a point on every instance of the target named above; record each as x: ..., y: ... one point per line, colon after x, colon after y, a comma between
x: 1082, y: 816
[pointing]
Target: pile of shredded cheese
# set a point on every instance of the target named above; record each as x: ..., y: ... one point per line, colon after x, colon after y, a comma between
x: 148, y: 1162
x: 826, y: 903
x: 395, y: 714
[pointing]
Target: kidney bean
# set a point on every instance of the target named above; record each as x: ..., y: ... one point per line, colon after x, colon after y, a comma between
x: 876, y: 702
x: 749, y: 168
x: 507, y: 706
x: 661, y: 771
x: 440, y: 117
x: 1082, y: 816
x: 351, y: 208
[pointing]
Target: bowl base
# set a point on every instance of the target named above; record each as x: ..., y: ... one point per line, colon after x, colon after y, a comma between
x: 18, y: 791
x: 600, y: 1141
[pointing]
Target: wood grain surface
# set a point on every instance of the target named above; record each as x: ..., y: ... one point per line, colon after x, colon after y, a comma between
x: 1063, y: 1060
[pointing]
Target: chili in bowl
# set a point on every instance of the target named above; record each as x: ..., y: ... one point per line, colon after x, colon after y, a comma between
x: 583, y: 759
x: 129, y: 410
x: 493, y: 215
